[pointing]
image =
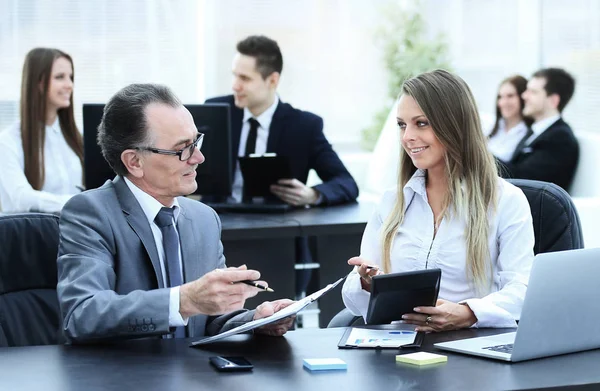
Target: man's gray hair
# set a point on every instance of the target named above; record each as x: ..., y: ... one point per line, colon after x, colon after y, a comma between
x: 124, y: 124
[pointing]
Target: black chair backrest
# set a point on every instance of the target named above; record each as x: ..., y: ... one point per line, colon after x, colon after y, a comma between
x: 556, y: 223
x: 29, y: 311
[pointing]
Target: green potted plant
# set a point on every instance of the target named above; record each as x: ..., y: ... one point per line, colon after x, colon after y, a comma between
x: 407, y: 52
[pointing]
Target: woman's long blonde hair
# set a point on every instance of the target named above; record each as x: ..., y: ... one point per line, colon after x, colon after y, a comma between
x: 448, y: 104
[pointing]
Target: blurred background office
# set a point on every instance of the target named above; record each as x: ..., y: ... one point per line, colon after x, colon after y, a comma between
x: 339, y: 55
x: 333, y: 56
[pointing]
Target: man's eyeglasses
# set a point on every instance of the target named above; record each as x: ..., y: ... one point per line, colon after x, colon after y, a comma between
x: 185, y: 153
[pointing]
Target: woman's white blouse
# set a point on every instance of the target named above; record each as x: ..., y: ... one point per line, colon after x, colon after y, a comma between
x: 511, y: 242
x: 503, y: 143
x: 62, y: 179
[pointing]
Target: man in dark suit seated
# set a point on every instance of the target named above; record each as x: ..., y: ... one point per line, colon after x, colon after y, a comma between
x: 135, y: 258
x: 549, y: 152
x: 261, y: 122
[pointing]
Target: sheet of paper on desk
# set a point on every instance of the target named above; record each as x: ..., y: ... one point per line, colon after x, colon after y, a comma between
x: 284, y: 313
x: 380, y: 338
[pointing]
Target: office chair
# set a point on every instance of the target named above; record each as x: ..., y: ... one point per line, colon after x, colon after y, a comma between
x: 556, y: 227
x: 29, y: 311
x: 556, y: 223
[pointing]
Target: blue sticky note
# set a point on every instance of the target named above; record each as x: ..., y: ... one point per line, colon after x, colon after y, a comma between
x: 324, y: 364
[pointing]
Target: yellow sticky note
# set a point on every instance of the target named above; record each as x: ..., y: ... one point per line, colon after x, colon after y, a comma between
x: 421, y: 358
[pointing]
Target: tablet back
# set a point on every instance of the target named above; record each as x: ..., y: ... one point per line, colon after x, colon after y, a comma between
x: 260, y: 172
x: 396, y: 294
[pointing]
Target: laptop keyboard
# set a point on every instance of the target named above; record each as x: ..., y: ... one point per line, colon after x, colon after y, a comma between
x: 508, y: 348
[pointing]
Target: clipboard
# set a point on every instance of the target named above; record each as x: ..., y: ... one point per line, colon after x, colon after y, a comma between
x: 284, y: 313
x: 381, y: 337
x: 261, y: 171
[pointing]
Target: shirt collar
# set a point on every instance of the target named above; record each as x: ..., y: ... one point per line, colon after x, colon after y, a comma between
x: 55, y: 126
x: 416, y: 184
x: 149, y: 204
x: 540, y: 126
x: 501, y: 124
x: 264, y: 120
x: 521, y: 126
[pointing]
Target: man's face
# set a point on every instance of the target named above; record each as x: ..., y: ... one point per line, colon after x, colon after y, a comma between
x: 165, y: 176
x: 537, y: 101
x: 249, y: 88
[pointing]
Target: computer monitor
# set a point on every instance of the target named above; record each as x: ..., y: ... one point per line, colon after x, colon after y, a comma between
x: 214, y: 176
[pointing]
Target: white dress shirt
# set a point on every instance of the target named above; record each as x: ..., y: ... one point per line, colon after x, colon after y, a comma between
x: 503, y: 143
x: 63, y: 173
x: 511, y: 241
x: 151, y: 207
x: 262, y: 136
x: 540, y: 127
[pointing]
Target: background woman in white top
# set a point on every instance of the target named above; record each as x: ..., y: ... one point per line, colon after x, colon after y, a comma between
x: 511, y: 125
x: 42, y: 155
x: 450, y: 211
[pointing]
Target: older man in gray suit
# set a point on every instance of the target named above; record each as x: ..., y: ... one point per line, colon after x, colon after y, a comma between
x: 135, y: 258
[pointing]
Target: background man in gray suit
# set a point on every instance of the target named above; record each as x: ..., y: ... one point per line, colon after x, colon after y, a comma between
x: 135, y: 258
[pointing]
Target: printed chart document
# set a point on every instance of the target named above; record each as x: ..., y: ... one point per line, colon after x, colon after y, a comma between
x: 379, y: 338
x: 284, y: 313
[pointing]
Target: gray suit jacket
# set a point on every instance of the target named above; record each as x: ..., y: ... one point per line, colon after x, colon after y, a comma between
x: 109, y: 275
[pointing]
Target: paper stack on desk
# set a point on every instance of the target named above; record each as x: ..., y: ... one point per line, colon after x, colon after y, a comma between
x: 324, y: 364
x: 421, y: 358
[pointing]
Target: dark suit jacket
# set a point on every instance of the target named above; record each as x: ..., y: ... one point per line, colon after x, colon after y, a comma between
x: 551, y: 157
x: 299, y: 136
x: 109, y: 274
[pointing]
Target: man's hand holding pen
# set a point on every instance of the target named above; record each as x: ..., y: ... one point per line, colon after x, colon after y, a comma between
x: 226, y: 290
x: 217, y: 292
x: 257, y: 285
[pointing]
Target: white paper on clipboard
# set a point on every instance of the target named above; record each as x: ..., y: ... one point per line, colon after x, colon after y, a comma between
x: 284, y: 313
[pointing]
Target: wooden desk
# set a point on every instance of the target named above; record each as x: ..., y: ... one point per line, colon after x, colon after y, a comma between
x: 265, y: 242
x: 155, y: 364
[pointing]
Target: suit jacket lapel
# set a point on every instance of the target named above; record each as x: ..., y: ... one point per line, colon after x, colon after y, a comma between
x: 522, y: 144
x: 277, y: 127
x: 139, y: 223
x: 548, y: 131
x: 190, y: 247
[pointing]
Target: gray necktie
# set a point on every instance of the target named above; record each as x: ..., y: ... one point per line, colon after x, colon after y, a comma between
x: 165, y: 221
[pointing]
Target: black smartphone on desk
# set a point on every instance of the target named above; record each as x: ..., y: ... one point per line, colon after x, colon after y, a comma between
x: 230, y: 364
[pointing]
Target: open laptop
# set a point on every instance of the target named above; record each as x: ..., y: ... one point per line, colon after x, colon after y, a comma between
x: 558, y: 315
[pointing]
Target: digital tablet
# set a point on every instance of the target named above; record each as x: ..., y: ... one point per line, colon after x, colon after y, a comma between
x: 396, y: 294
x: 260, y: 172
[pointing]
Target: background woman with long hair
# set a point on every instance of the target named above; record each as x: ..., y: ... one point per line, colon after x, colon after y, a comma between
x: 450, y: 211
x: 42, y: 155
x: 511, y: 126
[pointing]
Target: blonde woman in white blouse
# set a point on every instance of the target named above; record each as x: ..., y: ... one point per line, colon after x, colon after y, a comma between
x: 42, y: 155
x: 450, y: 211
